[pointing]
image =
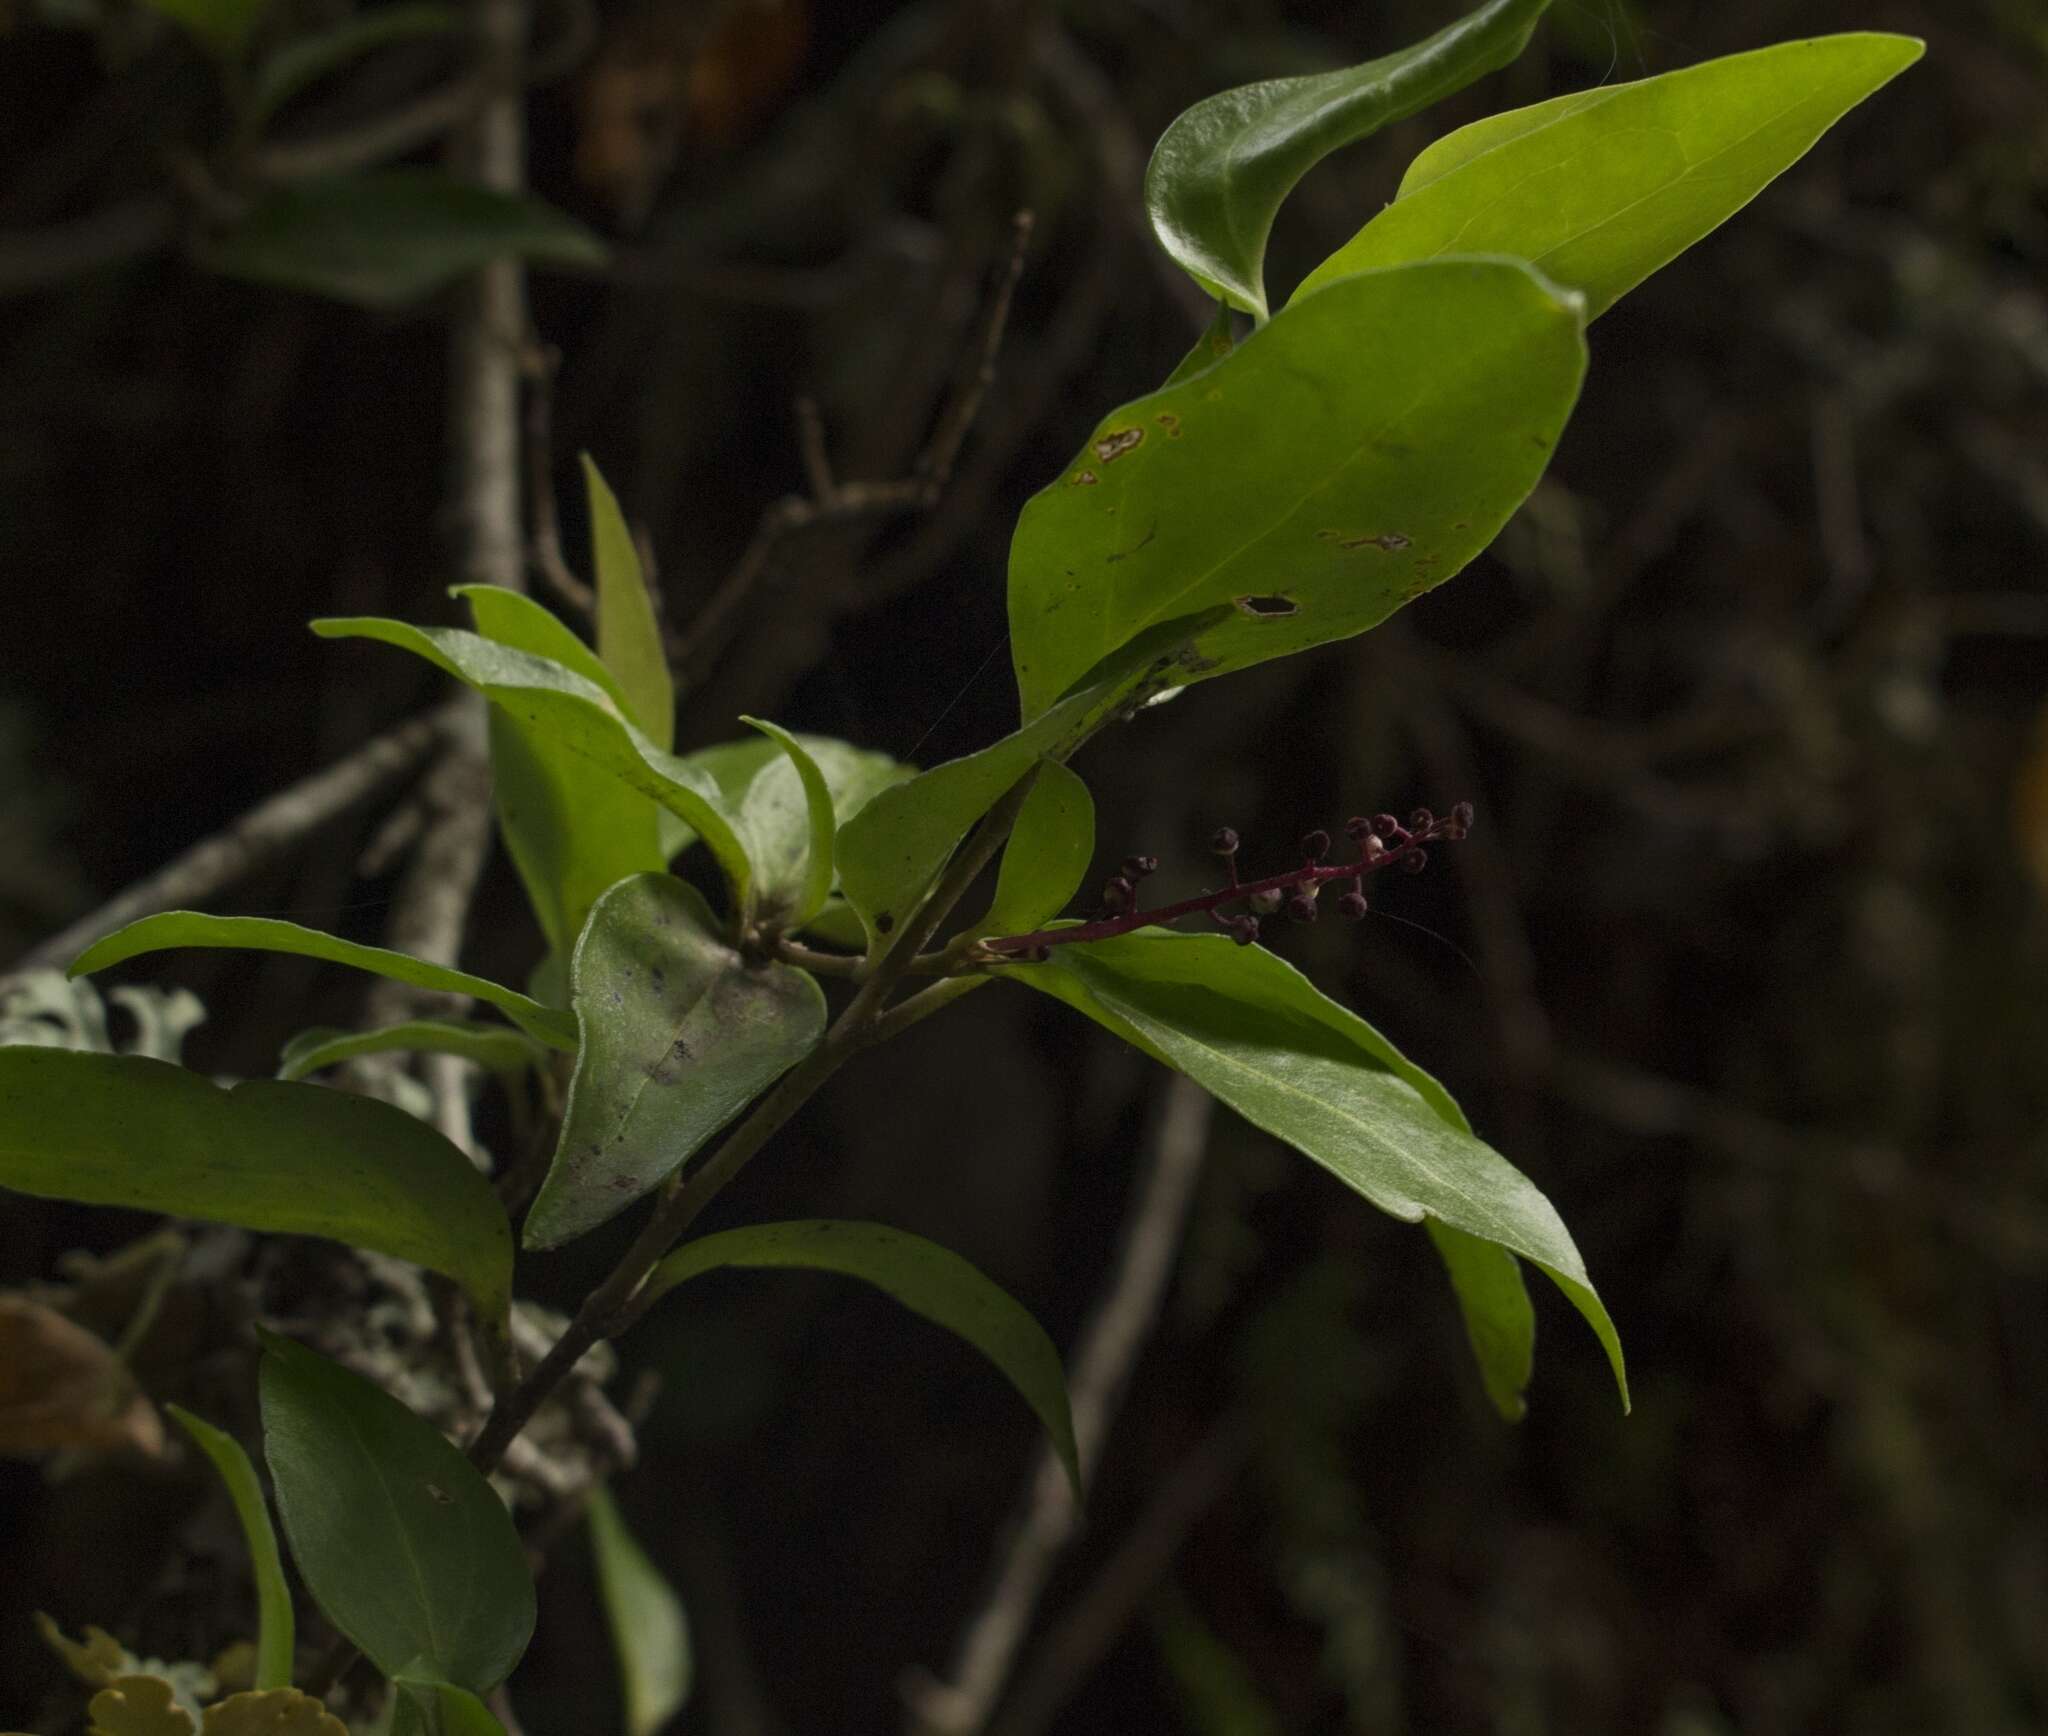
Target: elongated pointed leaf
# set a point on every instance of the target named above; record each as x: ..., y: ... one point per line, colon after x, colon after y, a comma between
x: 223, y: 25
x: 422, y: 1708
x: 391, y: 236
x: 1047, y: 855
x: 491, y: 1046
x: 650, y: 1632
x: 119, y: 1130
x: 274, y: 1625
x: 1500, y: 1320
x: 1250, y: 1028
x: 679, y: 1034
x: 1351, y: 454
x: 895, y: 847
x: 570, y: 835
x: 176, y: 928
x: 304, y: 61
x: 797, y: 887
x: 628, y: 630
x: 400, y: 1540
x: 578, y: 714
x: 1600, y: 189
x: 1219, y: 173
x: 926, y: 1278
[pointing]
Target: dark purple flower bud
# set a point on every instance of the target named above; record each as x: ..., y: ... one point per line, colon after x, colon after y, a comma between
x: 1225, y: 842
x: 1116, y: 893
x: 1351, y: 905
x: 1416, y: 863
x: 1265, y: 903
x: 1315, y: 846
x: 1137, y: 867
x: 1422, y: 820
x: 1302, y: 907
x: 1386, y: 826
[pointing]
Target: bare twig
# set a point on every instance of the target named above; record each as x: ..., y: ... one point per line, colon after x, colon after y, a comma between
x: 842, y: 503
x: 264, y: 832
x: 1123, y: 1318
x: 541, y: 362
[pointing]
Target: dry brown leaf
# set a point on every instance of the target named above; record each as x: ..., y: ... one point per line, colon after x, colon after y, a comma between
x: 138, y: 1706
x: 62, y: 1389
x: 277, y: 1712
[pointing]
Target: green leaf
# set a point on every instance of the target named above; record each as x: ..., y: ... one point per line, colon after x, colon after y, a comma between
x: 581, y: 716
x: 399, y: 1538
x: 421, y: 1708
x: 768, y: 822
x: 119, y: 1130
x: 176, y: 928
x: 1220, y: 172
x: 650, y: 1632
x: 489, y: 1046
x: 224, y: 26
x: 1252, y: 1030
x: 628, y: 630
x: 1352, y: 453
x: 386, y: 238
x: 679, y: 1034
x: 569, y: 834
x: 926, y: 1278
x: 1601, y: 188
x: 896, y: 846
x: 274, y: 1629
x: 1047, y: 855
x: 1500, y: 1320
x: 1216, y: 342
x: 302, y: 63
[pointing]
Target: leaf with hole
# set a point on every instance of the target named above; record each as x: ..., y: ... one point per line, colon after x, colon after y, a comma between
x: 1601, y: 188
x: 680, y: 1033
x: 401, y: 1541
x: 1351, y: 454
x: 1255, y: 1032
x: 274, y: 1622
x: 628, y: 630
x: 650, y: 1632
x: 1220, y: 172
x: 569, y: 834
x: 386, y: 238
x: 119, y: 1130
x: 581, y: 716
x: 178, y: 928
x: 1048, y: 853
x: 926, y: 1278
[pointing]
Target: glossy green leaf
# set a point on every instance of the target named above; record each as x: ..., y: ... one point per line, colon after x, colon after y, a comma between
x: 306, y: 60
x: 119, y: 1130
x: 178, y: 928
x: 1354, y: 452
x: 390, y: 236
x: 570, y: 835
x: 1048, y: 853
x: 422, y: 1708
x: 650, y: 1631
x: 1220, y: 172
x: 895, y: 847
x: 274, y: 1626
x: 628, y: 629
x: 789, y: 803
x: 1216, y: 342
x: 579, y: 714
x: 224, y: 26
x: 1249, y: 1028
x: 489, y: 1046
x: 679, y: 1035
x: 1601, y: 188
x: 401, y: 1541
x: 1500, y: 1320
x: 926, y: 1278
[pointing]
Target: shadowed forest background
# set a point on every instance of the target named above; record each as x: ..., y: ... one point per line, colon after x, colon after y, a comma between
x: 1742, y: 964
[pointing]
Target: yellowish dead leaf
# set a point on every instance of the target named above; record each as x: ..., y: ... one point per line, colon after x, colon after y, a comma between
x: 279, y: 1712
x: 96, y: 1660
x: 62, y: 1389
x: 138, y: 1706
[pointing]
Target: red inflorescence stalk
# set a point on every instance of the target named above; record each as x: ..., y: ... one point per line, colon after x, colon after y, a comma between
x: 1382, y: 842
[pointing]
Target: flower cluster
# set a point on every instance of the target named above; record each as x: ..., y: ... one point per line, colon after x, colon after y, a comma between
x: 1382, y: 841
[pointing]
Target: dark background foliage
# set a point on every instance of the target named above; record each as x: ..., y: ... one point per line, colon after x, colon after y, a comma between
x: 1742, y: 964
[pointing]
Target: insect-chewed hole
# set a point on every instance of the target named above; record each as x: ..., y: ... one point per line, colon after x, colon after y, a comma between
x: 1268, y: 608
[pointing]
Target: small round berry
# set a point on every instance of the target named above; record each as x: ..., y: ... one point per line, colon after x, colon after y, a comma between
x: 1422, y: 820
x: 1358, y: 827
x: 1137, y: 867
x: 1302, y: 907
x: 1351, y: 906
x: 1386, y: 826
x: 1461, y: 817
x: 1416, y: 863
x: 1225, y: 842
x: 1265, y: 903
x: 1116, y: 892
x: 1315, y: 845
x: 1244, y: 931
